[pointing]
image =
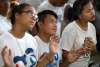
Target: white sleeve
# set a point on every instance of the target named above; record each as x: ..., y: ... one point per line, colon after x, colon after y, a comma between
x: 41, y: 7
x: 93, y: 32
x: 67, y: 39
x: 2, y: 45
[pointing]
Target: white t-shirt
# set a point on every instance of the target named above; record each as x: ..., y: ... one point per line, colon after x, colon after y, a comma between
x: 34, y: 3
x: 71, y: 2
x: 58, y: 10
x: 44, y: 48
x: 24, y: 50
x: 5, y: 24
x: 73, y: 38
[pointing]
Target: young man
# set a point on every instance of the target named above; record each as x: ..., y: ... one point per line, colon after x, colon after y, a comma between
x: 58, y: 7
x: 79, y: 37
x: 49, y: 53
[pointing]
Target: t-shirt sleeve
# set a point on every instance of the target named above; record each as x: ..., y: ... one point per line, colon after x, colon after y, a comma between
x: 93, y: 30
x: 67, y: 39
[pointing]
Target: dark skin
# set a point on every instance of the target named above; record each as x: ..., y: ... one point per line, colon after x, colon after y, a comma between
x: 4, y: 6
x: 58, y: 3
x: 18, y: 30
x: 46, y: 31
x: 89, y: 46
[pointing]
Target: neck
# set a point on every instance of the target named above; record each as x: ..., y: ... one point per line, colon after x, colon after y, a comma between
x: 83, y: 24
x: 45, y: 37
x: 18, y: 31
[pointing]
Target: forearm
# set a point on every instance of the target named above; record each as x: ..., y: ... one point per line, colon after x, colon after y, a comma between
x: 64, y: 62
x: 45, y: 60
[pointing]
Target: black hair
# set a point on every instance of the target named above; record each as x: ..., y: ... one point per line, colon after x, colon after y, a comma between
x: 17, y: 9
x: 77, y: 8
x: 44, y: 13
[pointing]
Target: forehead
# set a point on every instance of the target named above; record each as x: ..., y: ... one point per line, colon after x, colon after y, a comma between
x: 88, y: 6
x: 29, y: 8
x: 49, y: 17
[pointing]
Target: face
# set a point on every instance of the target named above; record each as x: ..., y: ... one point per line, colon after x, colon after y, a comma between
x: 88, y: 13
x: 49, y: 25
x: 4, y: 6
x: 28, y: 17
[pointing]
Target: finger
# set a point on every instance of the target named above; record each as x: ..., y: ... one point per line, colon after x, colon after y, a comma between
x: 4, y: 50
x: 54, y: 39
x: 10, y: 53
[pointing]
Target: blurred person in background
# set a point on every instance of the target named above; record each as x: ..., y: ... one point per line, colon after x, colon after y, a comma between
x: 5, y: 24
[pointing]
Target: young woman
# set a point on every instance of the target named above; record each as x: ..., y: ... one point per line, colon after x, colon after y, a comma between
x: 79, y: 37
x: 17, y: 47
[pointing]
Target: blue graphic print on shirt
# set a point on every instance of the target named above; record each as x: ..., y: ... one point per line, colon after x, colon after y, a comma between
x: 55, y: 61
x: 28, y: 58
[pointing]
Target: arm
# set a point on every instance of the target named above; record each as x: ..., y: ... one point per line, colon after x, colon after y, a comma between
x: 69, y: 57
x: 45, y: 59
x: 64, y: 62
x: 48, y: 57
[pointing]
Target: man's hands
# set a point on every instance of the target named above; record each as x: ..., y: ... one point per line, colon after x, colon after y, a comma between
x: 89, y: 45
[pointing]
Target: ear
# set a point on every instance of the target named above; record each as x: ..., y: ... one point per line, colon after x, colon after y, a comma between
x: 16, y: 15
x: 39, y: 24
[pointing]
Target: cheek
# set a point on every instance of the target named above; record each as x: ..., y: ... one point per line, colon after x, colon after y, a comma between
x: 87, y: 16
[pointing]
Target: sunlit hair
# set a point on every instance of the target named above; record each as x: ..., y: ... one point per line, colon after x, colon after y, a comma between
x: 17, y: 9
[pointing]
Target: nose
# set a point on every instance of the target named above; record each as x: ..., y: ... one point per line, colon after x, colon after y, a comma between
x: 35, y: 17
x: 92, y: 12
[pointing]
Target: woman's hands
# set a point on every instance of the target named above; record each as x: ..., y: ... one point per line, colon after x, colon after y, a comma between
x: 6, y: 56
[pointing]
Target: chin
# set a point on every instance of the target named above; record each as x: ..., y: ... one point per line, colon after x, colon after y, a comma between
x: 53, y: 33
x: 30, y: 28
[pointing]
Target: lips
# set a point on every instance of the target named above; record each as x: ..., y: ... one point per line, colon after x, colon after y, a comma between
x: 54, y: 29
x: 93, y: 17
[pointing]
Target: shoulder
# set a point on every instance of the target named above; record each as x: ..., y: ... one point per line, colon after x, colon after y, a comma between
x: 71, y: 27
x: 30, y: 38
x: 27, y: 35
x: 36, y: 37
x: 3, y: 40
x: 91, y: 25
x: 42, y: 6
x: 5, y: 35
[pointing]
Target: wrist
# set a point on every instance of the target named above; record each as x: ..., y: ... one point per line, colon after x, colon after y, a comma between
x: 50, y: 56
x: 7, y: 65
